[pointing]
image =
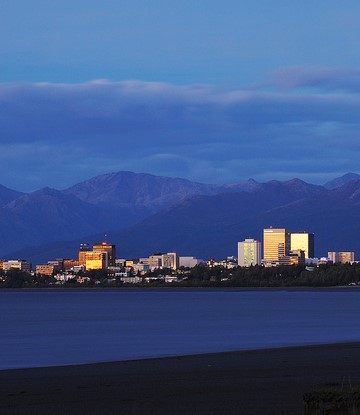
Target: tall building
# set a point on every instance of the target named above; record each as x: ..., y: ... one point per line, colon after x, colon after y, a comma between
x: 249, y: 253
x: 303, y: 241
x: 276, y: 243
x: 342, y: 257
x: 110, y: 249
x: 82, y: 253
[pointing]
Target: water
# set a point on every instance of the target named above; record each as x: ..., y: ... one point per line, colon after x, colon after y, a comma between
x: 60, y: 327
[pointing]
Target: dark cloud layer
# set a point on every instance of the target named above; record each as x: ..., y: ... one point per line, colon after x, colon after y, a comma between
x: 303, y: 122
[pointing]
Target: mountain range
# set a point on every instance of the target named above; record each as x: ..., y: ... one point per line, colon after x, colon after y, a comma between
x: 143, y: 214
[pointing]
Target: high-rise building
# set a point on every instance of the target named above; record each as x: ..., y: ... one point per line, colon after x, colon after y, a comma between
x: 82, y: 253
x: 276, y: 243
x: 303, y: 241
x: 110, y: 249
x: 249, y: 253
x: 342, y: 257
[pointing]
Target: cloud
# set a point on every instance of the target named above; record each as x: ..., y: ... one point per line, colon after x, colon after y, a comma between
x: 325, y: 78
x: 63, y: 133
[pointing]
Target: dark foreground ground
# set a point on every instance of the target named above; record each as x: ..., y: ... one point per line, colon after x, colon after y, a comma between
x: 254, y: 382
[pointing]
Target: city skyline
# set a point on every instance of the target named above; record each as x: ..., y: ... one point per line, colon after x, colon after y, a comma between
x: 212, y: 94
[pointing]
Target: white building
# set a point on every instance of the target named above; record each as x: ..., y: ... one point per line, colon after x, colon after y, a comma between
x: 249, y: 253
x: 189, y: 261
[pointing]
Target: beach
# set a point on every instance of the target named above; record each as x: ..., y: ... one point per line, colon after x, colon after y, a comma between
x: 270, y: 381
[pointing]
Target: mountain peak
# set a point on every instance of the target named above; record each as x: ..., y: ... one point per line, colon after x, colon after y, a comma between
x: 340, y: 181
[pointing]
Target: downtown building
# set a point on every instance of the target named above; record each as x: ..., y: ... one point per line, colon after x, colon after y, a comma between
x: 303, y: 241
x: 276, y: 245
x: 249, y: 253
x: 343, y: 257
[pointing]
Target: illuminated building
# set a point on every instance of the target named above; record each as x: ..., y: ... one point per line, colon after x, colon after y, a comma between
x: 303, y: 241
x: 110, y: 249
x: 96, y: 260
x: 71, y: 263
x: 249, y: 253
x: 342, y: 257
x: 47, y: 270
x: 17, y: 264
x: 155, y: 261
x: 294, y: 257
x: 276, y: 244
x: 82, y: 253
x: 170, y: 260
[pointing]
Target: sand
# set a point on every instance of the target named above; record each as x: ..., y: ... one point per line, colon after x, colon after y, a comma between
x: 247, y: 382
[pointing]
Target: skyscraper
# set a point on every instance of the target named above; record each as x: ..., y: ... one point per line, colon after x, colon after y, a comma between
x: 110, y: 249
x: 249, y: 253
x: 276, y: 243
x: 82, y: 253
x: 303, y: 241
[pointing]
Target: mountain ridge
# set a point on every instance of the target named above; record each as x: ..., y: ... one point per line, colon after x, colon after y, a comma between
x: 177, y: 212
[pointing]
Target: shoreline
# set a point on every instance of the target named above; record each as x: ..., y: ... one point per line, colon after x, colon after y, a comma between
x: 261, y: 381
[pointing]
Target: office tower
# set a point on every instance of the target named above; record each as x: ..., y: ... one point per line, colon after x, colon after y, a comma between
x: 82, y: 253
x: 110, y: 249
x: 303, y: 241
x: 249, y: 253
x: 276, y: 243
x: 342, y: 257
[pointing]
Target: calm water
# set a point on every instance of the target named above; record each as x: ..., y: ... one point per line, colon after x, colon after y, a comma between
x: 56, y: 327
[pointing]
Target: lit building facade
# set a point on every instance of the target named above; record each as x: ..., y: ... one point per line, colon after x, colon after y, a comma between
x: 303, y: 241
x: 110, y: 249
x: 155, y: 261
x: 249, y: 253
x: 342, y: 257
x: 82, y: 253
x: 276, y: 244
x: 170, y: 260
x: 17, y: 264
x: 46, y: 269
x: 294, y: 257
x: 96, y: 260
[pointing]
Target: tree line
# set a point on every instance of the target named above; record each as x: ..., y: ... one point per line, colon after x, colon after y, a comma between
x: 329, y: 275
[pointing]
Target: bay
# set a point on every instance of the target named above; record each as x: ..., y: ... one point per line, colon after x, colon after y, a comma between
x: 62, y: 327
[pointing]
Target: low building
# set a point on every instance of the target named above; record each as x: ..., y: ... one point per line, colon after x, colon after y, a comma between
x: 189, y: 261
x: 46, y: 269
x: 17, y: 264
x: 343, y: 257
x: 294, y: 257
x: 96, y: 260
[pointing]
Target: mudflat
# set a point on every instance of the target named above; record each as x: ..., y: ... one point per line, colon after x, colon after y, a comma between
x: 270, y: 381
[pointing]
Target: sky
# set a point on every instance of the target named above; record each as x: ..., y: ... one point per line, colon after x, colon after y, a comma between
x: 214, y: 92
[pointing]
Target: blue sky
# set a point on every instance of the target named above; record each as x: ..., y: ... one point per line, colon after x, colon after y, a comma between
x: 207, y: 90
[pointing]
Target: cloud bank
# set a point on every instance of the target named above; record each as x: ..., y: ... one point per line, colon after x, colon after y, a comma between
x: 301, y: 122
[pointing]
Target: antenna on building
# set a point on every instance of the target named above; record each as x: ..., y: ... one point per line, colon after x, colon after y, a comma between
x: 105, y: 238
